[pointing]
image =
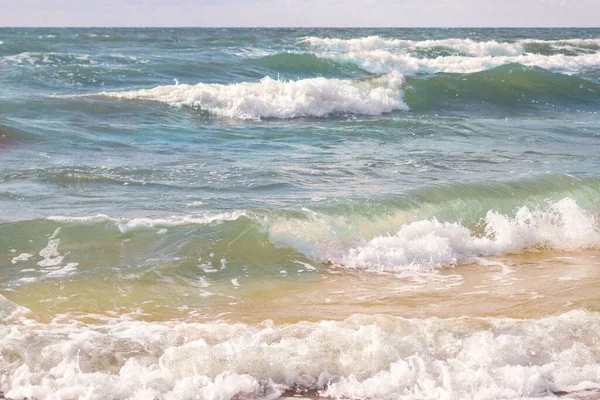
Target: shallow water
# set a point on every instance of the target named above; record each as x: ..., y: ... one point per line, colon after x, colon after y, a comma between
x: 345, y: 213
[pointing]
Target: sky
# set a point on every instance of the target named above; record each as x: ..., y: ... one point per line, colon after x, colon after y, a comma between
x: 301, y: 13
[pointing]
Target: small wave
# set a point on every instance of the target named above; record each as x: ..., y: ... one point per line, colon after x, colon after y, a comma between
x: 48, y: 59
x: 99, y: 36
x: 362, y: 357
x: 304, y: 63
x: 247, y: 52
x: 507, y: 85
x: 270, y: 98
x: 464, y: 46
x: 11, y: 136
x: 125, y: 225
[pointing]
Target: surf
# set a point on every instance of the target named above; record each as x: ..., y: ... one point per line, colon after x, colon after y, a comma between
x: 273, y: 98
x: 361, y: 356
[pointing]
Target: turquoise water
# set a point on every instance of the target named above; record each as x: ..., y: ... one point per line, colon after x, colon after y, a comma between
x: 175, y: 175
x: 80, y: 156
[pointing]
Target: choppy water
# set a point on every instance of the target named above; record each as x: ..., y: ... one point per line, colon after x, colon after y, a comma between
x: 346, y: 213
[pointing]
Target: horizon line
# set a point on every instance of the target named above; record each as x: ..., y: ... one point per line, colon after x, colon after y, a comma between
x: 286, y: 27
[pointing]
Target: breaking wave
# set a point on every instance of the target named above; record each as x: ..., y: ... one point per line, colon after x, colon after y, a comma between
x: 270, y: 98
x: 468, y: 47
x: 380, y: 55
x: 382, y: 61
x: 507, y: 85
x: 510, y: 71
x: 429, y: 244
x: 423, y: 230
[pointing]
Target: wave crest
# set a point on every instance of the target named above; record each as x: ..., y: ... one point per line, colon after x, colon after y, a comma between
x: 429, y: 244
x: 380, y: 55
x: 389, y: 234
x: 270, y: 98
x: 382, y: 61
x: 463, y: 46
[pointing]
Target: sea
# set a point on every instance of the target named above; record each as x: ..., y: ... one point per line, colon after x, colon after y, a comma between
x: 299, y: 213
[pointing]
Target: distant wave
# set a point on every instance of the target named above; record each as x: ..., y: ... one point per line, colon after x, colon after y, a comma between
x: 99, y: 36
x: 379, y: 55
x: 304, y: 63
x: 48, y: 58
x: 270, y: 98
x: 382, y: 61
x: 465, y: 46
x: 468, y: 47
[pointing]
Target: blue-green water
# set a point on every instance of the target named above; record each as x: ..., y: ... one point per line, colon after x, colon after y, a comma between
x: 168, y: 174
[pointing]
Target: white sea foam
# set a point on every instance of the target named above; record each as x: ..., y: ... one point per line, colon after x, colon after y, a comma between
x: 270, y: 98
x: 51, y: 58
x: 125, y: 225
x: 11, y: 312
x: 428, y: 244
x: 382, y: 61
x: 248, y: 52
x: 50, y: 253
x: 362, y: 357
x: 64, y: 271
x: 464, y: 46
x: 380, y: 55
x: 21, y: 257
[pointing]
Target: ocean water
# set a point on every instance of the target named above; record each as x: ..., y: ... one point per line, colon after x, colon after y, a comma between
x: 327, y: 213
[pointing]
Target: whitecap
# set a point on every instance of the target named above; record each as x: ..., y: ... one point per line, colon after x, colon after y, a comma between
x: 270, y: 98
x: 382, y: 61
x: 429, y: 244
x: 377, y: 357
x: 468, y: 47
